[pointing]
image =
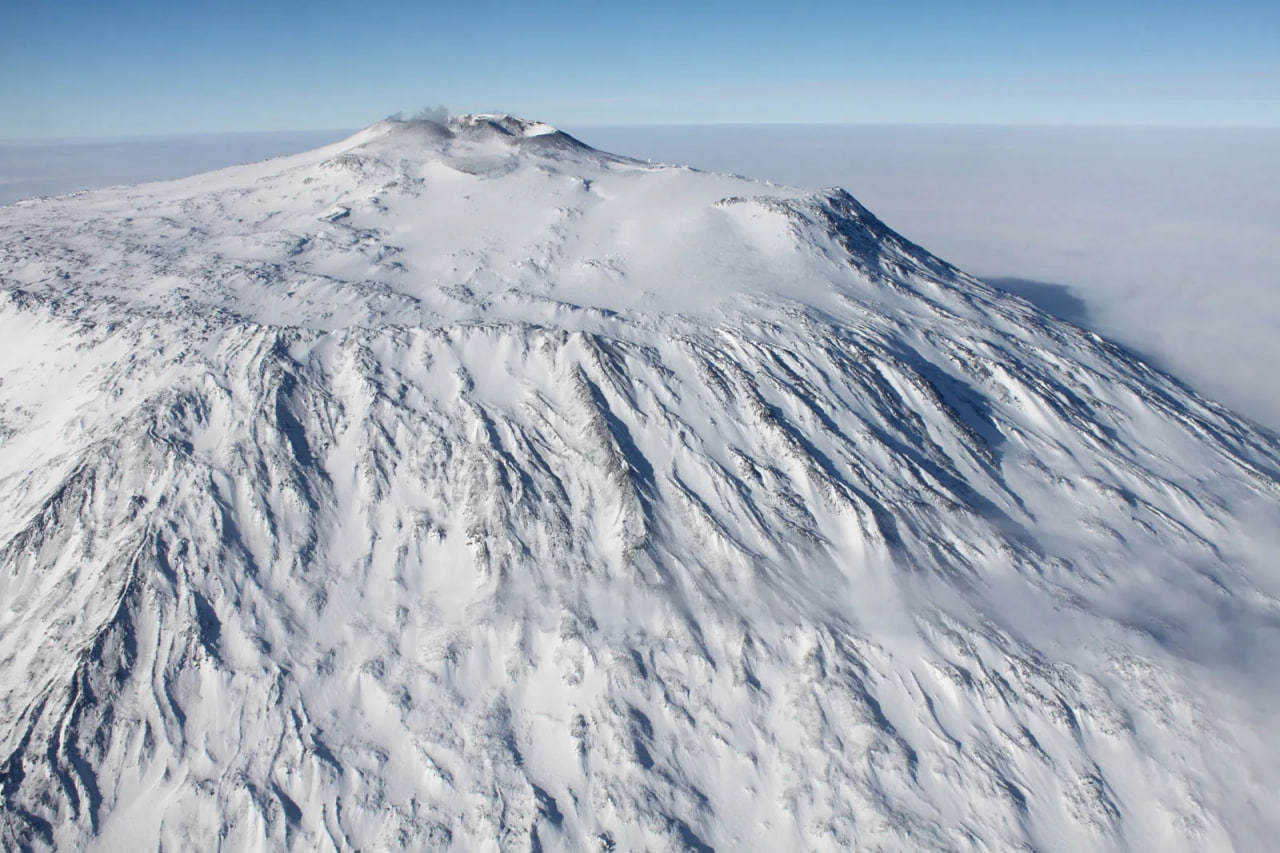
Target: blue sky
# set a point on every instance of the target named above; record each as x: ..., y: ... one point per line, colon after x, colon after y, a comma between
x: 132, y: 67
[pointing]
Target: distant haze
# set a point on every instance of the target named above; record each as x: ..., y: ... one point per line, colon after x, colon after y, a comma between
x: 1165, y: 240
x: 30, y: 169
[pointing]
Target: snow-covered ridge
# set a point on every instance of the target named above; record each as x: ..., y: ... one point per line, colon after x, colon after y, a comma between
x: 458, y: 486
x: 479, y: 126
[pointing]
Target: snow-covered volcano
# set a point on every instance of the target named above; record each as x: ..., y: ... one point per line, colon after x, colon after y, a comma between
x: 461, y: 487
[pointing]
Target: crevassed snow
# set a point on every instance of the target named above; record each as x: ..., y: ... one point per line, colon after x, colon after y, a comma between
x: 458, y: 486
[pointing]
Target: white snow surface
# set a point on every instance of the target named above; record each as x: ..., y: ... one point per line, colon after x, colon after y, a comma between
x: 460, y: 487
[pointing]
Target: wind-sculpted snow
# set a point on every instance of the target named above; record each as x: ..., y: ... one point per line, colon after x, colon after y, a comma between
x: 461, y: 487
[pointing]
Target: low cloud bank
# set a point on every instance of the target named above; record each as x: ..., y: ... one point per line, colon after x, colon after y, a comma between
x: 29, y: 169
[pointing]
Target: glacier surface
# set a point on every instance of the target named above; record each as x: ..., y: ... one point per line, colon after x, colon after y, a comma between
x: 461, y: 487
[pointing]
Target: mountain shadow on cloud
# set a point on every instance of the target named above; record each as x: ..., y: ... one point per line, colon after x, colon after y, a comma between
x: 1057, y: 299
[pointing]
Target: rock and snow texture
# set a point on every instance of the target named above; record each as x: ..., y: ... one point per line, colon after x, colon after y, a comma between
x: 460, y: 487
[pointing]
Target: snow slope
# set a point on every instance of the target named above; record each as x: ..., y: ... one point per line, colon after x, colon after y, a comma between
x: 465, y: 488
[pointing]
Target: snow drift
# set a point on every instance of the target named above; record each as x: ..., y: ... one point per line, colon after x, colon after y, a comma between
x: 458, y: 486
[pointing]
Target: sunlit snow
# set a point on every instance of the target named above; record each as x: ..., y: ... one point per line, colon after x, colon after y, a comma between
x: 463, y: 487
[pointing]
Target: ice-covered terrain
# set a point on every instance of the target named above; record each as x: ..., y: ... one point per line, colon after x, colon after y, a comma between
x: 1163, y: 240
x: 463, y: 487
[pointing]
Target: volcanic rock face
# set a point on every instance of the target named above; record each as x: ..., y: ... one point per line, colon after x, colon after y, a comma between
x: 463, y: 487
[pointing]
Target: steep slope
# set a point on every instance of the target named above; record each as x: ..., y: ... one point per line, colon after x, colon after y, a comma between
x: 462, y: 487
